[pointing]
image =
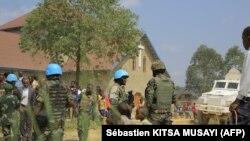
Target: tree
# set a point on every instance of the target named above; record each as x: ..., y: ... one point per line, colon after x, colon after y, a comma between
x: 205, y: 67
x: 77, y: 28
x: 234, y: 59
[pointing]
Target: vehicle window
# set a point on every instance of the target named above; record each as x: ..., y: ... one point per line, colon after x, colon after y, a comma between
x: 232, y: 85
x: 220, y: 85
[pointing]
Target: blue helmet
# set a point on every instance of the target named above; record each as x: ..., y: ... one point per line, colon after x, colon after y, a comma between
x: 11, y: 77
x: 53, y: 69
x: 120, y: 73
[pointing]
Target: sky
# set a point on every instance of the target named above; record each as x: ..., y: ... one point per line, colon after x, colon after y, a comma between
x: 176, y: 28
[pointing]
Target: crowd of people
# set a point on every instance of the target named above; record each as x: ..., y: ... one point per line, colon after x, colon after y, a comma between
x: 17, y: 100
x: 32, y: 110
x: 186, y: 110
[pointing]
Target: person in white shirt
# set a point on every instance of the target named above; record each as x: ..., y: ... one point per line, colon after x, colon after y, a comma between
x: 26, y: 108
x: 242, y: 102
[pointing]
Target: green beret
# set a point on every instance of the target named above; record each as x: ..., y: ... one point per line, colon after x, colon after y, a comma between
x: 8, y: 87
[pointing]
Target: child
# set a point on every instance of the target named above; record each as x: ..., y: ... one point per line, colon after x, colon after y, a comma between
x: 125, y: 111
x: 102, y: 106
x: 141, y: 114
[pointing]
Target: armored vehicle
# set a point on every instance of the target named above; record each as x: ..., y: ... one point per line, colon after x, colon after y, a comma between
x: 215, y: 103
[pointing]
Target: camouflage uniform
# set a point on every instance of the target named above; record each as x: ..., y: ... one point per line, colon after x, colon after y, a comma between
x: 9, y: 105
x: 159, y: 95
x: 51, y: 116
x: 117, y: 95
x: 86, y: 109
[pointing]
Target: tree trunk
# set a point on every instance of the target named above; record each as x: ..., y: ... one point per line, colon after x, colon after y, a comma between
x: 78, y: 66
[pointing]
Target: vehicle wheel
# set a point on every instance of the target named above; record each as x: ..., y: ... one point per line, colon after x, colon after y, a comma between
x: 202, y: 118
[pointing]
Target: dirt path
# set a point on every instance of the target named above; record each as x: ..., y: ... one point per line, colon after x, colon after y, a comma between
x: 94, y: 135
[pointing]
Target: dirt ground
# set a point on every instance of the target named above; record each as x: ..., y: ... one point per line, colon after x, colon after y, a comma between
x: 70, y: 133
x: 95, y: 133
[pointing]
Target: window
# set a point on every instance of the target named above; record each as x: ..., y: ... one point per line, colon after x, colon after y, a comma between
x: 232, y: 85
x: 220, y: 85
x: 134, y: 63
x: 144, y: 64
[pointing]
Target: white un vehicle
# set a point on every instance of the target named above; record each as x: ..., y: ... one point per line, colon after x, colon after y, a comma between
x: 215, y: 103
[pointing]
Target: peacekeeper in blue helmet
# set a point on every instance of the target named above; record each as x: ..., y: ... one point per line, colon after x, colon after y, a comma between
x: 12, y: 79
x: 117, y: 93
x: 52, y: 102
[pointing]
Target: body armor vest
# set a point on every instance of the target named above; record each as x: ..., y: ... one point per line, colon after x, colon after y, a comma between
x: 58, y: 99
x: 163, y: 94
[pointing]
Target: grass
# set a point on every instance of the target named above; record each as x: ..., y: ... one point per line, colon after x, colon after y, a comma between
x: 70, y: 133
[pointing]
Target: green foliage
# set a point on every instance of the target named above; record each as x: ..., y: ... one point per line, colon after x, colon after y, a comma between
x: 206, y: 66
x: 95, y: 77
x: 75, y: 28
x: 178, y: 89
x: 234, y: 59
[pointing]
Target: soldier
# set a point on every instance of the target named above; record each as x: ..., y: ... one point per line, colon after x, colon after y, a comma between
x: 86, y: 109
x: 117, y: 93
x: 159, y: 95
x: 9, y: 104
x: 52, y: 100
x: 12, y: 79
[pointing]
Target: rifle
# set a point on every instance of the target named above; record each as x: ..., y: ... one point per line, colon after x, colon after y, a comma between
x: 130, y: 98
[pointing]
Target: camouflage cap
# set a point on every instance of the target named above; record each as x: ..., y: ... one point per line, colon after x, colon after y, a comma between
x: 8, y: 87
x: 157, y: 65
